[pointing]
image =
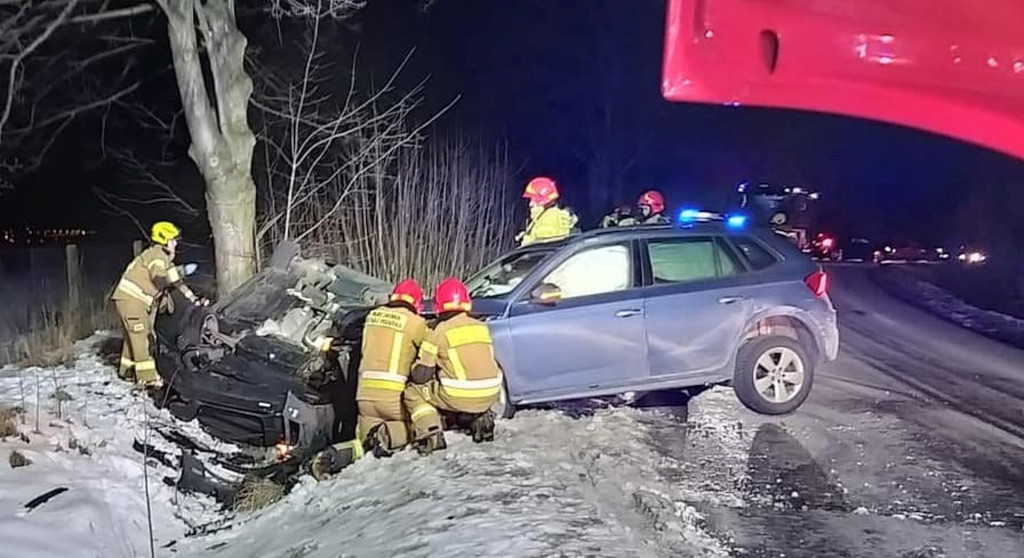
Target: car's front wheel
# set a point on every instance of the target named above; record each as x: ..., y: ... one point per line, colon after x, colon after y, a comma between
x: 773, y: 375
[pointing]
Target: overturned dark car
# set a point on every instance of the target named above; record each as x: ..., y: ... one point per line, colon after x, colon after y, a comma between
x: 248, y: 368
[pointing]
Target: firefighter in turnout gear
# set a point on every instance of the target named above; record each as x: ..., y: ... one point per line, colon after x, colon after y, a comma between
x: 455, y: 373
x: 547, y: 220
x: 621, y: 216
x: 392, y: 335
x: 140, y: 292
x: 652, y: 208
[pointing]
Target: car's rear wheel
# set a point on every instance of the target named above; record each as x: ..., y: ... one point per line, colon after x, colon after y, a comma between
x: 503, y: 407
x: 773, y: 375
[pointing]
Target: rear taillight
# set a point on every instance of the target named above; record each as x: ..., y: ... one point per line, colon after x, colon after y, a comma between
x: 818, y: 283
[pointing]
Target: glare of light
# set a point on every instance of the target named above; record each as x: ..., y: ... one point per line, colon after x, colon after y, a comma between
x: 827, y: 243
x: 688, y: 215
x: 814, y: 196
x: 962, y: 257
x: 887, y: 39
x: 1018, y: 67
x: 798, y: 190
x: 888, y: 248
x: 939, y: 250
x: 975, y: 257
x: 885, y: 60
x: 992, y: 62
x: 736, y: 221
x: 709, y: 34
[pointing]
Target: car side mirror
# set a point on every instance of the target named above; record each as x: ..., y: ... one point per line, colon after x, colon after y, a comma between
x: 547, y: 293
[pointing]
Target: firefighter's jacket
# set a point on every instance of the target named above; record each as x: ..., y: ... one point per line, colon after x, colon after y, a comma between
x: 656, y: 219
x: 392, y: 335
x: 547, y: 224
x: 147, y: 277
x: 461, y: 349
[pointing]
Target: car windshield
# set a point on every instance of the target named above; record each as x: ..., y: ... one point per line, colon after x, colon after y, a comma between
x: 502, y: 276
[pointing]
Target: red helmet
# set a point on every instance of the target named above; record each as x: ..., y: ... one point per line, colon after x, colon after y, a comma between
x: 451, y: 296
x: 408, y: 290
x: 652, y: 199
x: 541, y: 191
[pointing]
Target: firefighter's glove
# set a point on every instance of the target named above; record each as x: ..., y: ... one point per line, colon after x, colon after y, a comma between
x: 421, y: 374
x: 189, y: 269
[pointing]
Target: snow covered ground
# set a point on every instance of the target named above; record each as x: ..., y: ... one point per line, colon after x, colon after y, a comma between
x: 87, y: 450
x: 908, y: 447
x: 536, y: 491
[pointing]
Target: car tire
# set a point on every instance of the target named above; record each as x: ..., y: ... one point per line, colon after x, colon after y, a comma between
x: 761, y: 382
x: 503, y: 408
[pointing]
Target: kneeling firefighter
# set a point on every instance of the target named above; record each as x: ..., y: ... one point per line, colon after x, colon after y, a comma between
x: 456, y: 372
x: 392, y: 335
x: 143, y: 289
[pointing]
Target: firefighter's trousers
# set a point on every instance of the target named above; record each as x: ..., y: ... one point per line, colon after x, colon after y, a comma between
x: 390, y: 414
x: 424, y: 401
x: 137, y: 322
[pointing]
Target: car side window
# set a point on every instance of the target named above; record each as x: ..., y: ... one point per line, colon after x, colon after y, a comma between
x: 676, y: 260
x: 600, y: 270
x: 754, y: 253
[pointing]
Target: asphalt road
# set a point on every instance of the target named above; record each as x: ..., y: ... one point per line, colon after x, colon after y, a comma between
x: 911, y: 445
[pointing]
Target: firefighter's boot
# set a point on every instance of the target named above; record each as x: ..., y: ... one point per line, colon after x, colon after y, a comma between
x: 482, y: 427
x: 433, y: 442
x: 335, y: 458
x: 378, y: 441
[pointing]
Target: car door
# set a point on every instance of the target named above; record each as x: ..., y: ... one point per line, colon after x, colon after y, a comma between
x: 593, y: 337
x: 694, y: 304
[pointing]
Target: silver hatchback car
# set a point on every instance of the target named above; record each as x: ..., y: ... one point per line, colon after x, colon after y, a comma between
x: 657, y: 308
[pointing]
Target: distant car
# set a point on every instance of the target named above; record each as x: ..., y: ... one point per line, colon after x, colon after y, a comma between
x: 858, y: 249
x: 905, y: 252
x: 637, y: 310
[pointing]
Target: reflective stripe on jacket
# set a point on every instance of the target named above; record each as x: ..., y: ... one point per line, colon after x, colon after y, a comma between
x: 392, y: 335
x: 462, y: 350
x: 148, y: 275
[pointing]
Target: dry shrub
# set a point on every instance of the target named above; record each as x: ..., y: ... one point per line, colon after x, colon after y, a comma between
x: 8, y: 422
x: 257, y: 493
x: 18, y: 460
x: 48, y: 343
x: 353, y: 178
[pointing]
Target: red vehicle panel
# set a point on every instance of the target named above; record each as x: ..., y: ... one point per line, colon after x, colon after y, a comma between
x: 952, y: 67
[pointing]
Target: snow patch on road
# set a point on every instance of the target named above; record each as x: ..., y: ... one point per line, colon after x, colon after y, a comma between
x: 910, y: 288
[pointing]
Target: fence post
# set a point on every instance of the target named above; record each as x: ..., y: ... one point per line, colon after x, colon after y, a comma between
x: 137, y: 247
x: 74, y: 268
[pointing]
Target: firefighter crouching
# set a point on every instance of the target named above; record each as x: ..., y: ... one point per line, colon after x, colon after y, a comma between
x: 456, y: 372
x: 140, y: 292
x: 392, y: 335
x: 547, y: 220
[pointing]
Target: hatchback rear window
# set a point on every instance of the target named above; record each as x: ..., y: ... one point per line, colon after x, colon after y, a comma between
x: 754, y: 253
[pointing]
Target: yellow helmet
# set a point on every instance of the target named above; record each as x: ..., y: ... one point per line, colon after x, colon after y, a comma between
x: 164, y: 232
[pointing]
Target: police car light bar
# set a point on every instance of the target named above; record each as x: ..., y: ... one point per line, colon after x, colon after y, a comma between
x: 690, y: 216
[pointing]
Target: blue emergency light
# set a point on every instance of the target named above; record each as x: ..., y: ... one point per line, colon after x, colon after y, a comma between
x: 688, y: 215
x: 737, y: 221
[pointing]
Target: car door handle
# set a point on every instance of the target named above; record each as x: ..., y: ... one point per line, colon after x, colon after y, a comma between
x: 627, y: 313
x: 730, y: 299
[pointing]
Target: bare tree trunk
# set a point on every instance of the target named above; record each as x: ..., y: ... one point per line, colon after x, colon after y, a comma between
x: 222, y: 141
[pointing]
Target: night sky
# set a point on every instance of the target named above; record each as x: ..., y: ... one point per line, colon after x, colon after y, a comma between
x: 534, y: 73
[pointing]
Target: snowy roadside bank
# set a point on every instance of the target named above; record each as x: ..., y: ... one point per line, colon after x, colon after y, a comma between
x: 549, y: 485
x: 903, y: 284
x: 87, y: 450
